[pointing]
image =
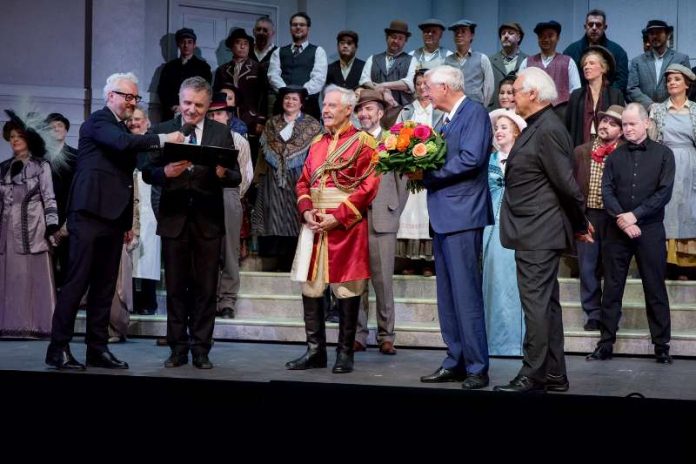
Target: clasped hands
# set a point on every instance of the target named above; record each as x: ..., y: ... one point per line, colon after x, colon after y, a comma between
x: 320, y: 222
x: 586, y: 236
x: 627, y: 223
x: 176, y: 168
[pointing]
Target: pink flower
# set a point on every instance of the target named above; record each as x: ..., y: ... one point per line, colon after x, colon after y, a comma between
x: 422, y: 132
x: 396, y: 128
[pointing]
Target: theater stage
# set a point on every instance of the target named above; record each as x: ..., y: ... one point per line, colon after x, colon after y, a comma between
x: 249, y: 385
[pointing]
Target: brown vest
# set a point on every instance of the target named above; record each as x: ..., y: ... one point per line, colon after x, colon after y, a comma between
x: 558, y: 70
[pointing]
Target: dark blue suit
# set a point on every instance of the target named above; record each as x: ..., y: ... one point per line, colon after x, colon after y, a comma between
x: 100, y: 210
x: 459, y: 205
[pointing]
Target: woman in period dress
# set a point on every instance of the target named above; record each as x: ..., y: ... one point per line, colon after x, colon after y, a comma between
x: 413, y: 238
x: 501, y: 300
x: 674, y: 124
x: 28, y: 218
x: 284, y: 146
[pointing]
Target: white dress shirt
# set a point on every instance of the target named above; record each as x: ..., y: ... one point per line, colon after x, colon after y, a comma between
x: 573, y: 74
x: 317, y: 78
x: 366, y: 76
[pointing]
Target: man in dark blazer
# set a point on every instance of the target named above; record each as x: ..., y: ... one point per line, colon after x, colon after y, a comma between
x: 459, y: 205
x: 100, y: 212
x: 646, y: 85
x: 345, y: 72
x: 191, y: 224
x: 542, y: 208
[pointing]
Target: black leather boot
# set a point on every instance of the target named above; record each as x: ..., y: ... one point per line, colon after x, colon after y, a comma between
x: 315, y: 356
x: 348, y: 323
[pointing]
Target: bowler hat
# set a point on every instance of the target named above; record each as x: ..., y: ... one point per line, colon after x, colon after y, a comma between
x: 58, y: 117
x: 398, y: 26
x: 555, y: 25
x: 185, y: 33
x: 614, y: 111
x: 238, y: 33
x: 370, y: 95
x: 658, y: 24
x: 302, y: 91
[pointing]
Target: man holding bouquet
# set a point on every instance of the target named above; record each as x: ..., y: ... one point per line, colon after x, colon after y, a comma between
x: 459, y: 205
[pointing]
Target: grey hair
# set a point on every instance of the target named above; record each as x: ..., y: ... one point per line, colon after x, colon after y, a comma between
x: 113, y: 80
x: 198, y: 84
x: 449, y: 75
x: 348, y: 97
x: 537, y: 79
x: 642, y: 112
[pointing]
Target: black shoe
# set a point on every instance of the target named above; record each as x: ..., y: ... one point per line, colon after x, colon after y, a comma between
x: 557, y: 383
x: 521, y: 384
x: 201, y: 361
x: 475, y: 381
x: 444, y: 375
x: 312, y: 359
x: 105, y: 359
x: 601, y: 353
x: 663, y: 357
x: 344, y: 363
x: 62, y: 359
x: 591, y: 325
x: 227, y: 313
x: 176, y: 360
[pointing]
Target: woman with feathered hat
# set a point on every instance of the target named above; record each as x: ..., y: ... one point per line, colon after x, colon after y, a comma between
x: 28, y: 218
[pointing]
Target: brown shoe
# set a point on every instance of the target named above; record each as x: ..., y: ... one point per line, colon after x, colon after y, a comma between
x: 387, y: 348
x: 357, y: 346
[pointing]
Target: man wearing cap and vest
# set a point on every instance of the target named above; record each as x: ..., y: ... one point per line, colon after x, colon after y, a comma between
x: 346, y: 70
x: 507, y: 61
x: 334, y: 190
x: 178, y: 70
x: 478, y: 73
x: 561, y: 68
x: 646, y: 79
x: 431, y: 54
x: 588, y: 168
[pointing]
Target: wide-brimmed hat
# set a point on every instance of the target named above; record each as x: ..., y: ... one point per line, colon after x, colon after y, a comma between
x: 511, y: 115
x: 398, y: 26
x: 432, y: 22
x: 370, y: 95
x: 555, y: 25
x: 514, y: 26
x: 185, y: 33
x: 219, y: 102
x: 463, y: 23
x: 608, y: 57
x: 614, y: 111
x: 681, y: 69
x: 238, y: 33
x: 35, y: 143
x: 283, y: 91
x: 658, y: 24
x: 53, y: 117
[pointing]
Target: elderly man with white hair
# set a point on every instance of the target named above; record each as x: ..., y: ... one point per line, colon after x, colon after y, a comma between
x: 100, y: 212
x: 335, y: 188
x: 543, y: 208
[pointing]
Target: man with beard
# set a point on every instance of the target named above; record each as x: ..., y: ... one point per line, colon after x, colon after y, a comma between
x: 100, y: 212
x: 431, y: 54
x: 507, y: 61
x: 346, y: 70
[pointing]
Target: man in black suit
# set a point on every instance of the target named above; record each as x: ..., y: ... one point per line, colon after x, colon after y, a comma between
x: 542, y: 208
x: 191, y: 224
x: 345, y: 72
x: 100, y: 211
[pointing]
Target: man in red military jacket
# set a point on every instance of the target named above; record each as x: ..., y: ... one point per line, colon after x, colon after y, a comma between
x: 336, y: 186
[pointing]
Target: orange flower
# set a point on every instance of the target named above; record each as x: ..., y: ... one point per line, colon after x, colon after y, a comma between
x: 390, y: 142
x: 402, y: 142
x: 407, y: 132
x: 375, y: 157
x: 420, y: 150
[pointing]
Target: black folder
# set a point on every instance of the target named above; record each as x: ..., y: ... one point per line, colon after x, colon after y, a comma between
x: 204, y: 155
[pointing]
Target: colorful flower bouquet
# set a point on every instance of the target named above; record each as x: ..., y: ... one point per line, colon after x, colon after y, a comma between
x: 410, y: 148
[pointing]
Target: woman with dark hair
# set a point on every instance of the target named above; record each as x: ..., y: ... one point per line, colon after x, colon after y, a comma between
x: 28, y: 218
x: 506, y: 97
x: 598, y: 66
x: 284, y: 146
x: 234, y: 99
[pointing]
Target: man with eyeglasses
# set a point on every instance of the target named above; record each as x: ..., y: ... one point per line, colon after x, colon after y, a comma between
x: 595, y: 34
x: 299, y: 63
x: 100, y: 212
x: 179, y: 69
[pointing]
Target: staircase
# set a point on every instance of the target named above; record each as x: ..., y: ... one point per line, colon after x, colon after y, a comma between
x: 270, y: 309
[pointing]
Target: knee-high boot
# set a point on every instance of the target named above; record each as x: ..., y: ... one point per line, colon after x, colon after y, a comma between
x: 315, y: 356
x: 348, y: 322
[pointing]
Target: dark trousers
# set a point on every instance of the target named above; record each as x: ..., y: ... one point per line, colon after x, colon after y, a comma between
x: 191, y: 263
x: 460, y: 300
x: 145, y: 298
x: 95, y: 255
x: 651, y: 257
x: 537, y: 279
x: 590, y: 264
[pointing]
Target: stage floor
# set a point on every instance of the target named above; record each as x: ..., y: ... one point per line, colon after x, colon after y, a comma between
x: 264, y: 362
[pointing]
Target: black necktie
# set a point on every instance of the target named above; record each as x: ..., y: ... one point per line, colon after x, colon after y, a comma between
x: 636, y: 146
x: 193, y: 140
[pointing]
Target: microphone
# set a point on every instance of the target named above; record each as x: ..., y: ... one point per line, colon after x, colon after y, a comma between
x: 187, y: 129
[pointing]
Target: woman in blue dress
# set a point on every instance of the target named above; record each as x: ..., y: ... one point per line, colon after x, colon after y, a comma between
x: 501, y: 300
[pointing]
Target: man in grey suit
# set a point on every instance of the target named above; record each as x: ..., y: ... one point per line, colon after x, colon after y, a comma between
x: 646, y: 81
x: 508, y: 60
x: 383, y: 224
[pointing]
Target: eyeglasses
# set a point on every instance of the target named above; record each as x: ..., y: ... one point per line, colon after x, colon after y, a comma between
x: 129, y: 96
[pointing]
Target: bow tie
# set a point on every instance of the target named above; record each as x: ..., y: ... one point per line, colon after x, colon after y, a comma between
x: 600, y: 153
x: 636, y: 146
